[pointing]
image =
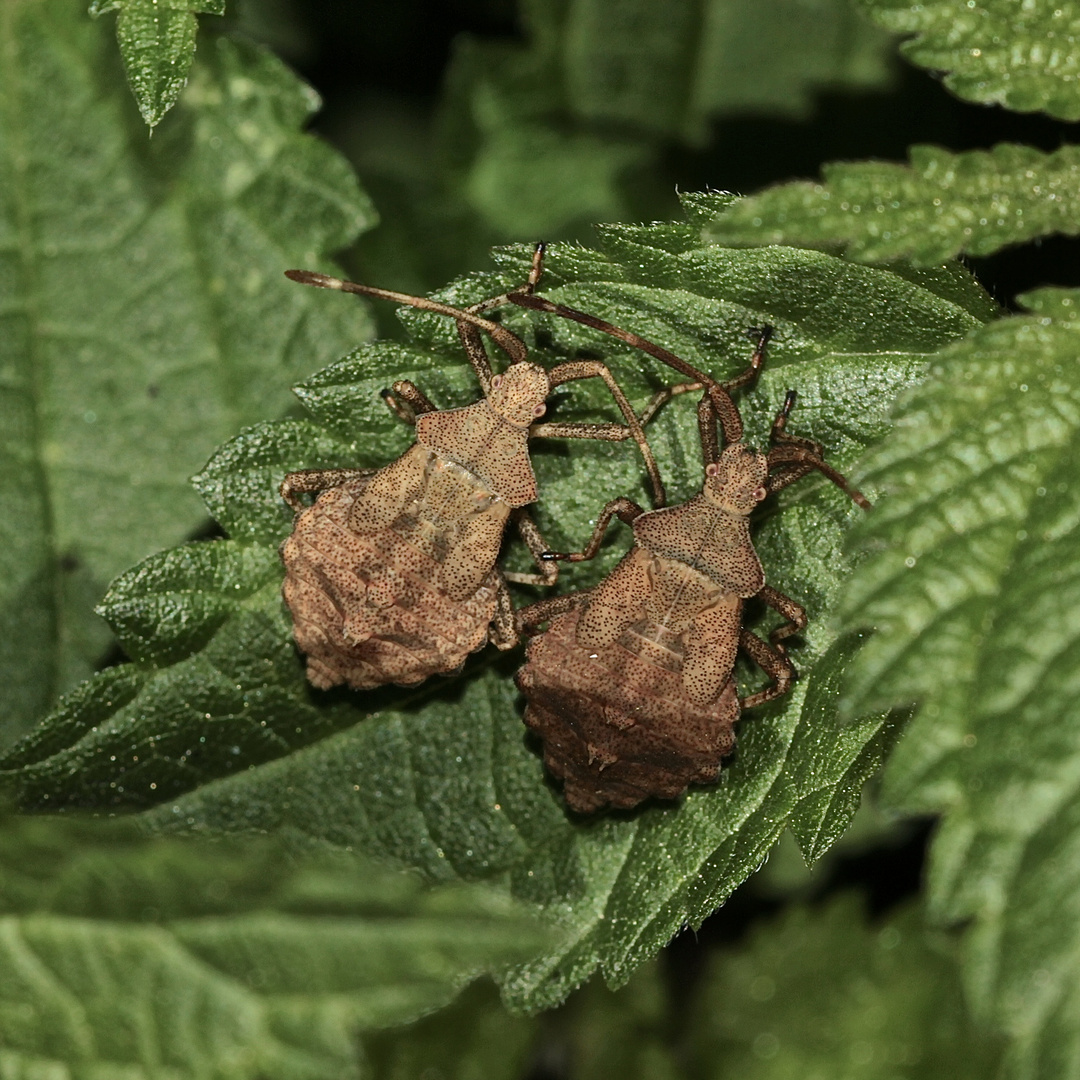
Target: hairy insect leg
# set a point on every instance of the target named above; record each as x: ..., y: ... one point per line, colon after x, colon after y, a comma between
x: 528, y: 618
x: 590, y: 369
x: 662, y: 397
x: 534, y: 541
x: 312, y: 481
x: 792, y: 457
x: 772, y: 660
x: 407, y: 401
x: 794, y: 613
x: 504, y: 633
x: 623, y: 509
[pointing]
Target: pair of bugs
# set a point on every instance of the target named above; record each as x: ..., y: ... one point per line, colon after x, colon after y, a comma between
x: 391, y: 574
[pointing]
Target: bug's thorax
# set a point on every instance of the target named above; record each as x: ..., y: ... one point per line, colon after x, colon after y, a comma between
x: 490, y: 438
x: 710, y: 534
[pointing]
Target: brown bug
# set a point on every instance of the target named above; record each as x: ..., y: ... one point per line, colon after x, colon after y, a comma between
x: 631, y: 687
x: 390, y: 574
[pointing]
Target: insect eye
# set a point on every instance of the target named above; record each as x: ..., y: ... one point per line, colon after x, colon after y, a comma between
x: 712, y: 469
x: 496, y: 382
x: 540, y: 409
x: 759, y: 494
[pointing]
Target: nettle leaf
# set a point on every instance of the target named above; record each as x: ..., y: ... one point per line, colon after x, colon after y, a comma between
x: 124, y: 955
x: 145, y: 315
x: 214, y: 724
x: 1022, y: 56
x: 940, y: 206
x: 823, y: 992
x: 472, y: 1038
x: 542, y: 138
x: 625, y: 1034
x: 973, y: 580
x: 157, y: 42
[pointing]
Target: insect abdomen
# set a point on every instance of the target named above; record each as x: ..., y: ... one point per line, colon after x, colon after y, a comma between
x: 616, y: 720
x: 371, y: 607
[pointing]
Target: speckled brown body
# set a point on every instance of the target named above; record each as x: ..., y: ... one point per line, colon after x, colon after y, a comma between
x: 630, y: 687
x: 632, y: 690
x: 391, y: 577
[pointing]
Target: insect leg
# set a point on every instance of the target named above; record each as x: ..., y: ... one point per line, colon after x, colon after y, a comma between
x: 795, y: 457
x: 309, y: 481
x: 773, y: 662
x: 407, y: 401
x: 530, y: 533
x: 794, y: 613
x: 623, y: 509
x: 588, y: 369
x: 503, y: 634
x: 527, y: 619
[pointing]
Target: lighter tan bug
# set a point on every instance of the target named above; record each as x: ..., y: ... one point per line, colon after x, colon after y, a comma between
x: 390, y: 574
x: 631, y: 687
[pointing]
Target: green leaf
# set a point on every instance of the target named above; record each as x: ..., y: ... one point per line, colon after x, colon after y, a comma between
x: 625, y: 1034
x: 940, y: 206
x: 1022, y: 56
x: 544, y: 138
x: 669, y: 69
x: 822, y: 993
x: 145, y: 316
x: 157, y: 42
x: 122, y: 955
x: 474, y: 1038
x: 215, y: 722
x: 972, y: 581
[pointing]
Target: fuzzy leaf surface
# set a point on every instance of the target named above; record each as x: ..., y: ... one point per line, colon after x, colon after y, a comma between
x: 822, y: 992
x: 939, y: 206
x: 157, y: 43
x: 214, y: 721
x: 996, y: 52
x: 972, y: 581
x: 141, y: 957
x: 144, y: 317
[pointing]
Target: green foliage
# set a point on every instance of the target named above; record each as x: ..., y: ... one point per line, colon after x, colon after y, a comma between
x: 145, y: 316
x: 157, y: 42
x: 628, y: 1034
x: 821, y: 994
x: 943, y: 205
x: 972, y: 582
x: 122, y: 955
x: 474, y: 1038
x: 214, y: 723
x: 940, y: 206
x: 1023, y: 56
x: 542, y: 139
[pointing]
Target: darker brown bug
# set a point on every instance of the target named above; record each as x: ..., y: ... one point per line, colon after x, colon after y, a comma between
x: 390, y: 575
x: 631, y: 686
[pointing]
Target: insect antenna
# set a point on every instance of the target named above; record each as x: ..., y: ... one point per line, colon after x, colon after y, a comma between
x: 506, y: 340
